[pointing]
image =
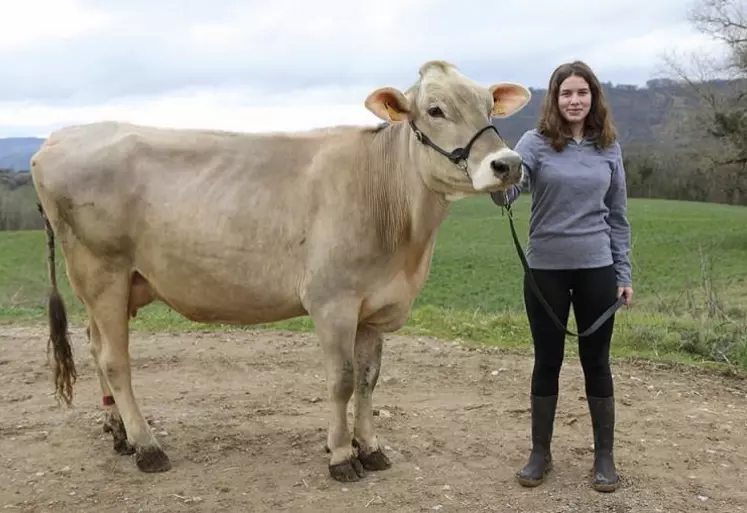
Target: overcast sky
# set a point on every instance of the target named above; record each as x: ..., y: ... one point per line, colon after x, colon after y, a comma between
x: 292, y: 64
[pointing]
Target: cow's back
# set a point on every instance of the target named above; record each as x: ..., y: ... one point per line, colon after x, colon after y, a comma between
x: 114, y: 183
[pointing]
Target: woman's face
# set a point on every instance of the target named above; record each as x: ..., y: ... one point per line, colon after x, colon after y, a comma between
x: 574, y: 99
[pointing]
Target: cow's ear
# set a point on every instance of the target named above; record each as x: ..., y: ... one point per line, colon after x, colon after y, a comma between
x: 389, y: 104
x: 508, y: 98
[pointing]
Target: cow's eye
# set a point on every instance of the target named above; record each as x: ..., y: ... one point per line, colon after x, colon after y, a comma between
x: 435, y: 112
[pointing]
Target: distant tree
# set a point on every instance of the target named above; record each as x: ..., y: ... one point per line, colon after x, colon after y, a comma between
x: 711, y: 123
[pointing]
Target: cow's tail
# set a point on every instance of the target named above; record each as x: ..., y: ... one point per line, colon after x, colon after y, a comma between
x: 65, y: 374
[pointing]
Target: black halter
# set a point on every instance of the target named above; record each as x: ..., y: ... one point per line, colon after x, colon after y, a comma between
x: 459, y: 155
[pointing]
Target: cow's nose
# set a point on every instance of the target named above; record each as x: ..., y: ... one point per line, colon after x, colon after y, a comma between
x: 499, y: 168
x: 505, y: 164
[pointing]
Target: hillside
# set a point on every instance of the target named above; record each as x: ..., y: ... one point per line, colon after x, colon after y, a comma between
x: 15, y: 152
x: 640, y: 114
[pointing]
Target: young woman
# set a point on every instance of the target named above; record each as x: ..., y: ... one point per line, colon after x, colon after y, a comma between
x: 579, y: 240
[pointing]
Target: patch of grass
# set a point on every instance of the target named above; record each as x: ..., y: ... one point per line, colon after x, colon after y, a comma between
x: 689, y: 270
x: 638, y: 334
x: 18, y: 203
x: 475, y: 265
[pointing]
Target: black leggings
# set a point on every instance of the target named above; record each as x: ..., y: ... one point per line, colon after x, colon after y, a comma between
x: 591, y: 292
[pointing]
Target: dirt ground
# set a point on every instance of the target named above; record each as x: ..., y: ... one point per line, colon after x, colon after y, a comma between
x: 243, y: 416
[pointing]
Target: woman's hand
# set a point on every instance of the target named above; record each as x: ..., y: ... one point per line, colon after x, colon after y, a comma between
x: 627, y: 292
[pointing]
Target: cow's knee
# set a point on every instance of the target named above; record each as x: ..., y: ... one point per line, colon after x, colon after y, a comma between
x: 343, y: 382
x: 368, y: 349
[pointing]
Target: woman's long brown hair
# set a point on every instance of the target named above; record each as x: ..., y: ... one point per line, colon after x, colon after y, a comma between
x: 598, y: 123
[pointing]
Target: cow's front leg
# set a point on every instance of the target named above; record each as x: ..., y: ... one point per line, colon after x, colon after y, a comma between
x: 368, y: 348
x: 336, y: 326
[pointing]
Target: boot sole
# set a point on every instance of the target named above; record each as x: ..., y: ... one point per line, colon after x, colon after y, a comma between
x: 605, y: 487
x: 530, y: 483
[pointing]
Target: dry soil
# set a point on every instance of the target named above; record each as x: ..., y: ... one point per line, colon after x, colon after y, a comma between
x: 243, y: 416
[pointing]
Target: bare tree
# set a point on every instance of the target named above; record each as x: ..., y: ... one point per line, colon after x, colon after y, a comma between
x: 726, y: 21
x: 712, y: 122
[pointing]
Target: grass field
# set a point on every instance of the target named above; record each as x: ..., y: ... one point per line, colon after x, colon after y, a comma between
x: 689, y: 269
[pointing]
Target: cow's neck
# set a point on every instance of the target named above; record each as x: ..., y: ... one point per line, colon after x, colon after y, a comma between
x: 407, y: 212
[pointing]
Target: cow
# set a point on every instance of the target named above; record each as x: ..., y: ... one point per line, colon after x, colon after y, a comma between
x: 338, y: 224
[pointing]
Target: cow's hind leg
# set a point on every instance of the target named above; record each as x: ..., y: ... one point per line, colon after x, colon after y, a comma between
x: 112, y: 420
x: 110, y: 313
x: 368, y: 348
x: 336, y: 327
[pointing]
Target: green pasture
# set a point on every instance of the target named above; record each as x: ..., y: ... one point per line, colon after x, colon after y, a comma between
x: 689, y: 270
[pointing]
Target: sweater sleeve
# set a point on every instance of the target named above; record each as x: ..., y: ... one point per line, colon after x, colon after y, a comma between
x: 617, y: 202
x: 527, y: 148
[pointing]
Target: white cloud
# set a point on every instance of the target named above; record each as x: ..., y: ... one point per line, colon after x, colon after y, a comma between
x: 37, y: 22
x: 283, y: 64
x: 225, y: 109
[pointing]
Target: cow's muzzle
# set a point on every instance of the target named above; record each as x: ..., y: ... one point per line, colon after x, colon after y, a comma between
x: 506, y: 165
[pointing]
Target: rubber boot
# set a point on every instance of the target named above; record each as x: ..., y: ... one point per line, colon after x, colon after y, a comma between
x: 540, y: 458
x: 604, y: 474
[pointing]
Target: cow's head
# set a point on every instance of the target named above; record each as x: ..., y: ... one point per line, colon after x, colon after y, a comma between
x: 456, y: 147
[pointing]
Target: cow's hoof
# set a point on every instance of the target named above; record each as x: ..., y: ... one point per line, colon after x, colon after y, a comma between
x: 347, y: 471
x: 376, y: 460
x: 152, y: 459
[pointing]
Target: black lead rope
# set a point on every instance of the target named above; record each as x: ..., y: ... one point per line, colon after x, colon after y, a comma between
x: 591, y: 329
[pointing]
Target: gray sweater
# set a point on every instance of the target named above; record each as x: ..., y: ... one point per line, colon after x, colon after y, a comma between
x: 579, y: 206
